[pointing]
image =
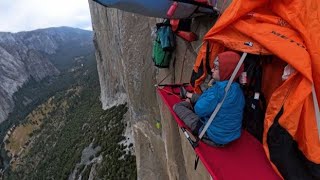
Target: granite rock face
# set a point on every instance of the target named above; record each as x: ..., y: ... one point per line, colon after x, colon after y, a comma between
x: 123, y: 43
x: 25, y: 55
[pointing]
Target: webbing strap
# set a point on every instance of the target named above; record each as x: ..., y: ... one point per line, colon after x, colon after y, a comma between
x: 215, y: 112
x: 196, y: 161
x: 195, y: 3
x: 316, y: 108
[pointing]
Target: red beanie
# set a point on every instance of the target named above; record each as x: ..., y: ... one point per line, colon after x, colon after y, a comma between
x: 227, y: 63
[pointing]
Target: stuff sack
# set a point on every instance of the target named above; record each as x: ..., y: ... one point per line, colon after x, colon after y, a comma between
x: 163, y: 46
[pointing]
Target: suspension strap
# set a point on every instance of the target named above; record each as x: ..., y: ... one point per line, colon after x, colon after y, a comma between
x: 195, y: 3
x: 194, y: 144
x: 182, y: 67
x: 196, y: 161
x: 316, y: 108
x: 164, y: 78
x: 213, y: 115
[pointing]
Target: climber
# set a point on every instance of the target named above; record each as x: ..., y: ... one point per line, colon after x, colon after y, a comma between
x: 226, y: 126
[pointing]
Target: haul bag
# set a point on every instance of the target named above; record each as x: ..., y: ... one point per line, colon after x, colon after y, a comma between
x: 163, y: 45
x: 160, y: 57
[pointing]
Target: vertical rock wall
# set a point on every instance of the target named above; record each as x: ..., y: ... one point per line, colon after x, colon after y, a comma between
x: 123, y: 50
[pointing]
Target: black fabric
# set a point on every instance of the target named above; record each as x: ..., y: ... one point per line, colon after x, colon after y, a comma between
x: 285, y: 154
x: 208, y: 58
x: 253, y: 118
x: 255, y: 108
x: 198, y: 127
x: 196, y: 75
x: 166, y: 22
x: 183, y: 92
x: 196, y: 161
x: 184, y: 25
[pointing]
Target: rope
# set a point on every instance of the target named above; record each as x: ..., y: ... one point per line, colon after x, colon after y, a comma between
x: 224, y: 4
x: 197, y: 49
x: 184, y: 56
x: 222, y: 8
x: 165, y: 77
x: 184, y: 59
x: 169, y: 92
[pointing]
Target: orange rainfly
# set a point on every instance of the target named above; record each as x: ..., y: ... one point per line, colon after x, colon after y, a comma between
x: 288, y: 30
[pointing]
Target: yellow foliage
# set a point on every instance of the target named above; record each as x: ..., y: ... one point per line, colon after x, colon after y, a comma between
x: 21, y: 134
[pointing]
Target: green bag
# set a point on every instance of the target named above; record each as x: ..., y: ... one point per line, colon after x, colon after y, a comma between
x: 163, y: 46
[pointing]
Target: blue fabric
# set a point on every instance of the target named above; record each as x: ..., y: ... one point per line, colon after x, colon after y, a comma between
x: 226, y: 126
x: 154, y: 8
x: 144, y: 7
x: 167, y: 38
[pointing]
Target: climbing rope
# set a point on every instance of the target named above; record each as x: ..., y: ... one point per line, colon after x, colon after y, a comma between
x: 184, y: 59
x: 164, y: 78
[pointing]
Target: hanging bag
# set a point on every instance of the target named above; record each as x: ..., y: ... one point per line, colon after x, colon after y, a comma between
x: 163, y: 45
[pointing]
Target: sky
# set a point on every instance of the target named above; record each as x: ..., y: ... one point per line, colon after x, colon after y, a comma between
x: 26, y: 15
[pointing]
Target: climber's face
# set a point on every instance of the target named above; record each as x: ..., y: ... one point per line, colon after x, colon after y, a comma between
x: 215, y: 73
x: 215, y: 70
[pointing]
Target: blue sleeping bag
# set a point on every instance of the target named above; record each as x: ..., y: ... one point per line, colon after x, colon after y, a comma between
x: 154, y: 8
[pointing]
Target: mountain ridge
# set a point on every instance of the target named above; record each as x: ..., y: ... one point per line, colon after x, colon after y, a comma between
x: 31, y: 54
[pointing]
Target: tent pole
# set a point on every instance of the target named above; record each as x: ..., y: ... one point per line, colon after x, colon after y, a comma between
x: 316, y: 108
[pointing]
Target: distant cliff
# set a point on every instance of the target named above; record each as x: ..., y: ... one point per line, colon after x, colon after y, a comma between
x: 123, y: 50
x: 27, y: 55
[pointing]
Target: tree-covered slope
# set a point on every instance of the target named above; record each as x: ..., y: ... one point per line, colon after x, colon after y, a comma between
x: 37, y: 55
x: 66, y: 133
